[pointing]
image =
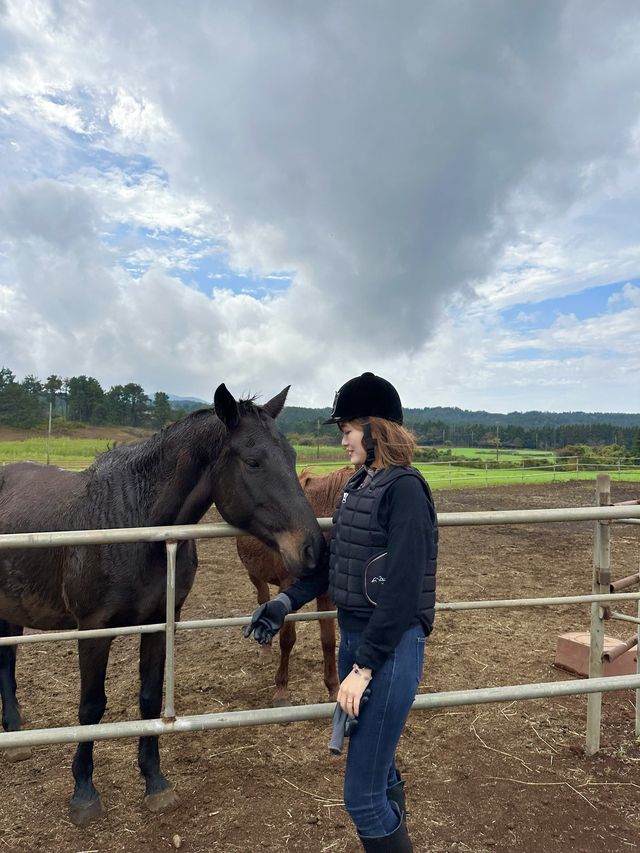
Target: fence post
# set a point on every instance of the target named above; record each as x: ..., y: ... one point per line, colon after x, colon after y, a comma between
x: 601, y: 583
x: 638, y: 672
x: 169, y: 711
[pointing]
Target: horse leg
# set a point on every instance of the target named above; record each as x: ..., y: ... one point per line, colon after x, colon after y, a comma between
x: 263, y: 595
x: 11, y: 719
x: 93, y: 654
x: 159, y: 793
x: 328, y: 640
x: 287, y: 635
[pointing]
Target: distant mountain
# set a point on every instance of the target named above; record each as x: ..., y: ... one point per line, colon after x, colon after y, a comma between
x: 186, y: 404
x: 534, y: 418
x: 303, y: 420
x: 439, y: 425
x: 300, y: 419
x: 174, y: 398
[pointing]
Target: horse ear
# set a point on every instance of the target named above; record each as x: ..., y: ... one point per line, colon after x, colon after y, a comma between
x: 305, y: 476
x: 226, y: 407
x: 276, y: 404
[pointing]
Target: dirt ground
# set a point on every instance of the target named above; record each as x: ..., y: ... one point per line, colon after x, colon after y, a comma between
x: 505, y: 777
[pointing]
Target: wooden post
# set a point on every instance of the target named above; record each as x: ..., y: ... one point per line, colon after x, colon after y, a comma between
x: 638, y: 671
x: 600, y: 584
x: 49, y: 433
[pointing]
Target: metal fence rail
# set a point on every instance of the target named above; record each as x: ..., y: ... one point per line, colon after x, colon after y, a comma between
x: 300, y: 713
x: 169, y: 723
x: 313, y: 616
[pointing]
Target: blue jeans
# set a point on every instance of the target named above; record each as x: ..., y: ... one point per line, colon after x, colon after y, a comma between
x: 371, y: 758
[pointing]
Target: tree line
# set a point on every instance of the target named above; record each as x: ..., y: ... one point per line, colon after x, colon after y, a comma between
x: 306, y: 425
x: 530, y: 419
x: 27, y: 403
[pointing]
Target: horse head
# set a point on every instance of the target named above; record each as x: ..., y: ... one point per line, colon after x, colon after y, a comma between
x: 256, y: 486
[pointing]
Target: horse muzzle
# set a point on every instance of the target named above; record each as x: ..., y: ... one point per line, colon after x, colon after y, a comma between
x: 302, y: 552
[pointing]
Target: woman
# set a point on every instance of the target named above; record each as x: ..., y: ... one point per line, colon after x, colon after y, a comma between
x: 381, y: 574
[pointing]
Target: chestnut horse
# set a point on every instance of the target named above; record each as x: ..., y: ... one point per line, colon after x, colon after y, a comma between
x: 232, y: 454
x: 265, y: 567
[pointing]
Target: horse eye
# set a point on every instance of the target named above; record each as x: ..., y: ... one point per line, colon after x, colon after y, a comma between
x: 252, y: 463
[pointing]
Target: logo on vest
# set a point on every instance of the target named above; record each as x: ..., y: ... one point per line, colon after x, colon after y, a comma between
x: 373, y: 579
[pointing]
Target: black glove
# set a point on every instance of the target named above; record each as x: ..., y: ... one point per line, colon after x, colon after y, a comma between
x: 267, y: 620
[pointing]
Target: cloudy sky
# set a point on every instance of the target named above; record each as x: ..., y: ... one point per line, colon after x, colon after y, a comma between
x: 285, y: 192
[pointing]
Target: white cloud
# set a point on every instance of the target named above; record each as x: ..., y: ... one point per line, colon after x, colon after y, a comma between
x: 137, y: 119
x: 64, y: 115
x: 414, y: 169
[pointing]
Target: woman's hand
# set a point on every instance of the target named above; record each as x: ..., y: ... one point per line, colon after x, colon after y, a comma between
x: 351, y: 690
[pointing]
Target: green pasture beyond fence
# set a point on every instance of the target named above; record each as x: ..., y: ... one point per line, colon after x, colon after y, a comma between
x: 78, y: 453
x: 65, y: 452
x: 452, y: 475
x: 485, y: 470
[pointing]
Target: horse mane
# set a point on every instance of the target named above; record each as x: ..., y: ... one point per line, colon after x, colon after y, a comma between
x: 155, y: 478
x: 183, y: 432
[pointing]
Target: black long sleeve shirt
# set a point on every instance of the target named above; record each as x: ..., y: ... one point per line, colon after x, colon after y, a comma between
x: 408, y: 518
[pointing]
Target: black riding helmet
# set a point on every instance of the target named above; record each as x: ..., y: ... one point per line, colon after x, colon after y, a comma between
x: 366, y: 396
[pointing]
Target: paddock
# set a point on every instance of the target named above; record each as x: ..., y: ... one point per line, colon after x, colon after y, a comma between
x: 535, y: 750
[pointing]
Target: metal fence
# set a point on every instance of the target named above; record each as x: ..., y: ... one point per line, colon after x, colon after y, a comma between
x: 561, y: 469
x: 169, y: 723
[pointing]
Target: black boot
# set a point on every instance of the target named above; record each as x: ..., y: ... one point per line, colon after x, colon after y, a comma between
x: 395, y: 794
x: 397, y: 842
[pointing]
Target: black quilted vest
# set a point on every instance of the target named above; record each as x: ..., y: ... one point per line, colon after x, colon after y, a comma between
x: 358, y: 540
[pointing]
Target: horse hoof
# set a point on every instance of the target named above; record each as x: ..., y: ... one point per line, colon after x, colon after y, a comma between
x: 281, y: 701
x: 83, y: 812
x: 162, y: 801
x: 17, y: 753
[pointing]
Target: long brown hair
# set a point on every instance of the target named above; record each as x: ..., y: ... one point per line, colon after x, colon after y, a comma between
x: 393, y: 444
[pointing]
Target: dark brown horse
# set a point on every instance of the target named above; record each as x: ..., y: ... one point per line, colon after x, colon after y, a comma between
x: 232, y: 454
x: 266, y: 567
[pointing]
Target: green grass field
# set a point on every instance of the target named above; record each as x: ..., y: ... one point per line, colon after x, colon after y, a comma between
x: 79, y: 453
x: 451, y: 475
x: 65, y: 452
x: 486, y: 453
x: 441, y: 477
x: 334, y: 453
x: 461, y: 477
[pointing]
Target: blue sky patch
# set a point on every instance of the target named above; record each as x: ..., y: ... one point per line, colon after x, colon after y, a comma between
x: 198, y: 262
x: 218, y: 274
x: 588, y: 303
x: 540, y: 354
